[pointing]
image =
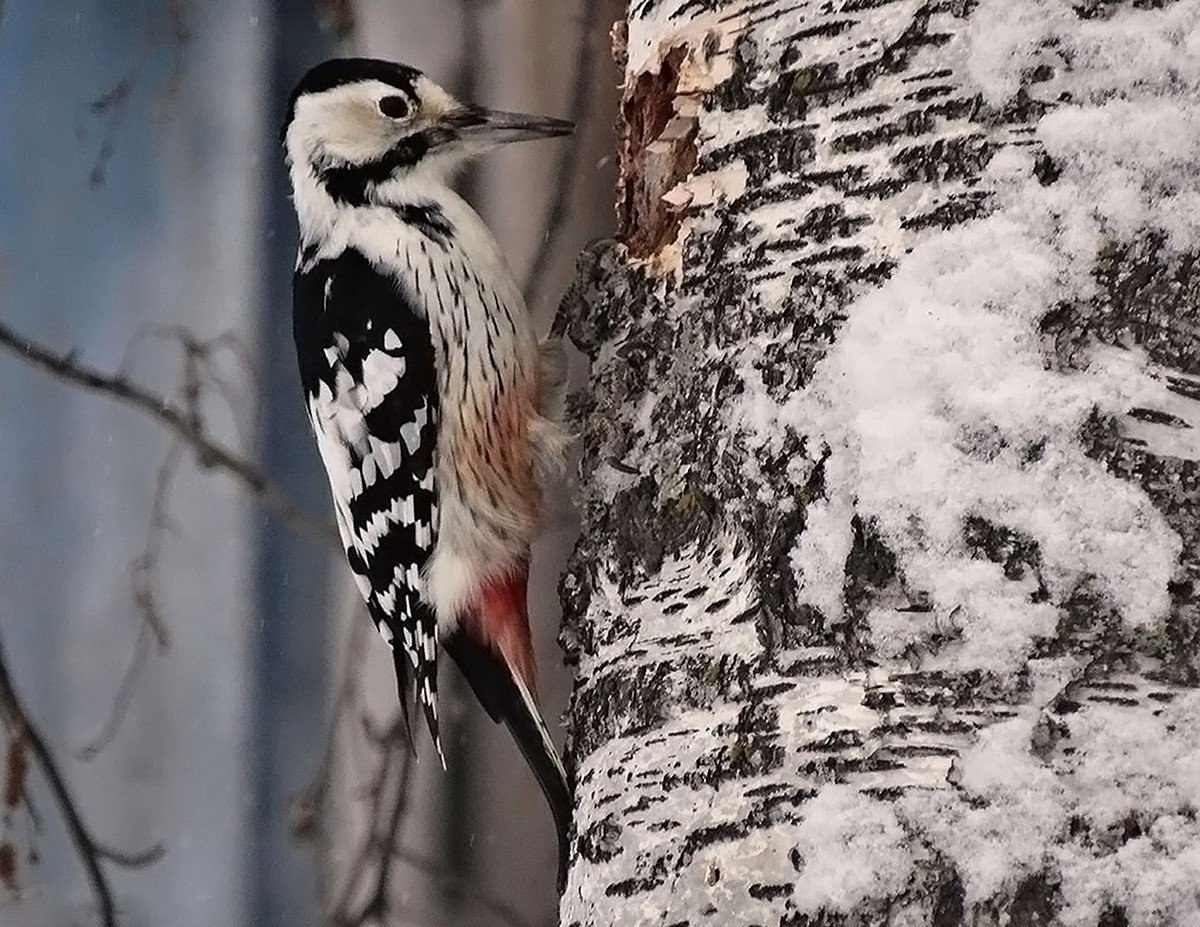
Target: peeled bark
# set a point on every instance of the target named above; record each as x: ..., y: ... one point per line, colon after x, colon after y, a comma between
x: 884, y: 609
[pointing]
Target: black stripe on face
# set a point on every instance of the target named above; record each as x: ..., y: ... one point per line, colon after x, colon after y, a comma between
x: 349, y: 183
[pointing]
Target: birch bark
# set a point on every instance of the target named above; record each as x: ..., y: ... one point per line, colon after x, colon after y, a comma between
x: 884, y: 610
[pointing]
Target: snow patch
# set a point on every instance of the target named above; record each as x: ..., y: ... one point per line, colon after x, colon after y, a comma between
x: 819, y: 557
x: 853, y: 848
x: 1153, y: 878
x: 1128, y: 770
x: 1016, y: 812
x: 936, y: 402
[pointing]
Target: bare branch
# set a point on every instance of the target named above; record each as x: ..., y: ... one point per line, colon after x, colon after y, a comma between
x: 16, y: 769
x: 568, y: 163
x: 197, y: 374
x: 209, y: 452
x: 379, y: 902
x: 89, y: 851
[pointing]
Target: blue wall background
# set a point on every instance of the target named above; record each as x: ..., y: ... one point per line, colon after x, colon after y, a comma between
x: 141, y: 185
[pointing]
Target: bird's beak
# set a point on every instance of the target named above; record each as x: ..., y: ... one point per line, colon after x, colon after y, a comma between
x: 488, y: 127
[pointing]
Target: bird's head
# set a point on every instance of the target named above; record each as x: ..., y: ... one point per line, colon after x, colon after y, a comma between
x: 354, y: 124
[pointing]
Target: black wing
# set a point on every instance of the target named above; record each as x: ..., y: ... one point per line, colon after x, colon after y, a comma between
x: 367, y: 368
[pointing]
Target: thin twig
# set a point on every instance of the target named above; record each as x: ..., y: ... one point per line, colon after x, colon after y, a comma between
x: 312, y: 801
x: 380, y: 900
x: 139, y: 859
x: 145, y: 565
x: 112, y: 107
x: 430, y: 867
x: 209, y: 452
x: 568, y: 163
x: 199, y: 355
x: 380, y: 847
x: 90, y: 750
x: 89, y: 851
x: 349, y: 684
x: 375, y: 845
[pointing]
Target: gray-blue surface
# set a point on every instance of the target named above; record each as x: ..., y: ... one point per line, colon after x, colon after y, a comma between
x: 138, y: 187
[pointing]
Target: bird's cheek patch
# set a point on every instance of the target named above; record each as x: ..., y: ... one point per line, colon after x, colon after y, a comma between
x: 359, y: 133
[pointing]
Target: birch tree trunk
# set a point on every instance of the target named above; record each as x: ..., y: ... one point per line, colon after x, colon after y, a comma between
x: 884, y: 610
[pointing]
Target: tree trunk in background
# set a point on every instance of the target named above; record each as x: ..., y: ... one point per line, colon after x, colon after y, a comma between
x: 884, y: 609
x: 293, y: 574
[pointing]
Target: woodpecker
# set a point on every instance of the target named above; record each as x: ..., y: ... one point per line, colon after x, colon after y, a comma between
x: 426, y: 385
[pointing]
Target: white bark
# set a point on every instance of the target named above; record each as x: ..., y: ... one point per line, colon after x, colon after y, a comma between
x: 883, y: 612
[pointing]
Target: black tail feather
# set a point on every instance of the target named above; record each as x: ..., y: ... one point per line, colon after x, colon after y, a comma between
x: 506, y: 699
x: 404, y: 690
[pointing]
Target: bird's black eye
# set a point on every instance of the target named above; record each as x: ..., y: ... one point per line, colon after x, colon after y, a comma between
x: 395, y: 107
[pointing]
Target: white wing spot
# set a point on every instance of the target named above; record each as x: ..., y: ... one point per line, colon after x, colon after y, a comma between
x: 385, y: 455
x: 380, y: 372
x: 411, y: 431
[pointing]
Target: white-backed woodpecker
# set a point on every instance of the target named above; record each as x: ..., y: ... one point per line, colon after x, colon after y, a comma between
x: 425, y: 384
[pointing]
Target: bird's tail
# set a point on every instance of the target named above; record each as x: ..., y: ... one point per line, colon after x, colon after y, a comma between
x: 492, y: 647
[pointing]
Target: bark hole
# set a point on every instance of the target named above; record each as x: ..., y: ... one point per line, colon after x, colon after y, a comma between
x: 659, y: 152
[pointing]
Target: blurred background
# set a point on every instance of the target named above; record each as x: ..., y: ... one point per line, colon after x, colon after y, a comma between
x: 194, y: 657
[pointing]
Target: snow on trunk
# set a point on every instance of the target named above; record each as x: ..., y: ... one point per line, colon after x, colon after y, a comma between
x: 884, y: 611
